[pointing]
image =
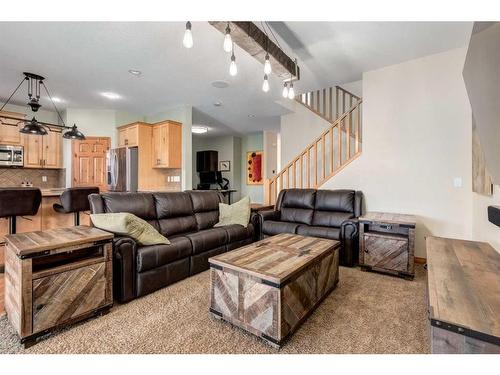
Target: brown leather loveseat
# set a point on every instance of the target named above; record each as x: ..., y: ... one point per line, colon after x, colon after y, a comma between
x: 187, y: 219
x: 328, y: 214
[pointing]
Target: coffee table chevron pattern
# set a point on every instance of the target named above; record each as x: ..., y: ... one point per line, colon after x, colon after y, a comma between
x: 270, y: 287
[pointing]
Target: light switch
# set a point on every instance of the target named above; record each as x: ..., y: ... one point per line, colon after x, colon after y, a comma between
x: 457, y: 182
x: 44, y: 178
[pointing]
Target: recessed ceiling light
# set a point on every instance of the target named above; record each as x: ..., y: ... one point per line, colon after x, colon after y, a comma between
x: 199, y: 129
x: 135, y: 72
x: 220, y: 84
x: 217, y: 104
x: 251, y: 115
x: 55, y: 99
x: 111, y: 95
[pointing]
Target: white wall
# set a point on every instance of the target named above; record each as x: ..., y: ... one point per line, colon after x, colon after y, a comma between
x: 416, y: 140
x: 183, y: 114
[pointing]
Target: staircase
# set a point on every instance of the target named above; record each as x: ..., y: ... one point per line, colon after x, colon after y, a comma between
x: 329, y: 153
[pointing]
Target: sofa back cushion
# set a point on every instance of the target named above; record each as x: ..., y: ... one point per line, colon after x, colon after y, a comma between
x: 205, y: 207
x: 175, y: 213
x: 332, y: 207
x: 297, y: 205
x: 140, y: 204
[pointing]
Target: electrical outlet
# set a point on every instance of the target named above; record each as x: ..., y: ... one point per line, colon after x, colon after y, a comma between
x: 44, y: 178
x: 457, y: 182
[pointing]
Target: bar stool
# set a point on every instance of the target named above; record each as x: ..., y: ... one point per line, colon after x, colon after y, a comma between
x: 75, y: 200
x: 19, y: 202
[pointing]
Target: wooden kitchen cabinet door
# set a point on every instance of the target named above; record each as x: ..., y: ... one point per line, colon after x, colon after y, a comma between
x: 52, y: 150
x: 90, y: 162
x: 33, y: 151
x: 9, y: 128
x: 167, y: 145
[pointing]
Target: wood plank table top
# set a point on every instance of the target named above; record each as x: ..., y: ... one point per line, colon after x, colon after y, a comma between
x: 464, y: 284
x: 276, y: 258
x: 387, y: 217
x: 30, y: 243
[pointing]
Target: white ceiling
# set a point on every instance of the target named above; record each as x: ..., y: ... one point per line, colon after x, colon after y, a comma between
x: 82, y: 59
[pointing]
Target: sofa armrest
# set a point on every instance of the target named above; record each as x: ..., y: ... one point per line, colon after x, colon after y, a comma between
x: 124, y: 268
x: 349, y: 238
x: 266, y: 215
x: 255, y: 221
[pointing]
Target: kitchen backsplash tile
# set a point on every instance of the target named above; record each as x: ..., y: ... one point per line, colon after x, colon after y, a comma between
x: 15, y: 176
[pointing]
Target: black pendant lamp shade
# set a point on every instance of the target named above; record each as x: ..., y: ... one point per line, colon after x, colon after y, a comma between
x: 34, y: 128
x: 74, y: 133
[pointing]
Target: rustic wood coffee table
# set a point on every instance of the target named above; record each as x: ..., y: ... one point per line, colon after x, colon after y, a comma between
x: 270, y: 287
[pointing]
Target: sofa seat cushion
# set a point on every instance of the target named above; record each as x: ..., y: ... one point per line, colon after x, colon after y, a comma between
x: 207, y: 239
x: 236, y: 232
x: 322, y: 232
x: 271, y: 227
x: 150, y: 257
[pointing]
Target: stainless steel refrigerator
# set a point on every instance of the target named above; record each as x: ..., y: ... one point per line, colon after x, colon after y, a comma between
x: 123, y: 169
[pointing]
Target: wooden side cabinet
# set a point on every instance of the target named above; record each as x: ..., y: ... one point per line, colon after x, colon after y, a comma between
x: 56, y: 277
x: 387, y: 243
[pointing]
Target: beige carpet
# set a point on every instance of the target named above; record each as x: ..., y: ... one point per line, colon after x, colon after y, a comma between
x: 367, y: 313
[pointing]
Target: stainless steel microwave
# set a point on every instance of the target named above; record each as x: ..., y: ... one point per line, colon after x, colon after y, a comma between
x: 11, y: 156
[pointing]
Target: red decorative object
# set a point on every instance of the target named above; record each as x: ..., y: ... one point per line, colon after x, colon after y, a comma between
x: 254, y: 168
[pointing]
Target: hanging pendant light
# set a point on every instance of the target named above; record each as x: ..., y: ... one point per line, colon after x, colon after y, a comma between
x: 228, y: 42
x: 291, y: 92
x: 187, y: 41
x: 284, y: 93
x: 74, y: 133
x: 233, y: 69
x: 265, y: 84
x: 267, y: 65
x: 33, y: 128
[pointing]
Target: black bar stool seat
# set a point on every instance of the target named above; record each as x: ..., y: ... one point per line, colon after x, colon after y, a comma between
x: 19, y: 202
x: 75, y: 200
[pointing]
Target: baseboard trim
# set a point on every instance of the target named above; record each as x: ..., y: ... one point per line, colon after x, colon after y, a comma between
x: 420, y: 260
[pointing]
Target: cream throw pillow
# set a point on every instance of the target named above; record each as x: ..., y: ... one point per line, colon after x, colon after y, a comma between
x: 130, y: 225
x: 236, y: 213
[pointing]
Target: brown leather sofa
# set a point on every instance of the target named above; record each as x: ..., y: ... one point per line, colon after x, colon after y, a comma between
x: 187, y: 219
x: 317, y: 213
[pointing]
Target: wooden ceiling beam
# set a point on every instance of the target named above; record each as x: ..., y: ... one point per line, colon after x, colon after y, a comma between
x: 253, y: 40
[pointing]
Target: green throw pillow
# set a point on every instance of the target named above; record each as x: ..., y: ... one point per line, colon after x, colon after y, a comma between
x: 130, y: 225
x: 236, y: 213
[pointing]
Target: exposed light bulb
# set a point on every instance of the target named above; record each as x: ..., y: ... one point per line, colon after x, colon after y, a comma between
x: 291, y: 92
x: 265, y: 84
x: 233, y: 69
x: 285, y: 91
x: 267, y: 65
x: 228, y: 42
x: 188, y: 36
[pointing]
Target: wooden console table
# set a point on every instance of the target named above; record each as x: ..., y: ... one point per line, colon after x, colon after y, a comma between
x: 56, y: 277
x: 464, y: 296
x: 387, y: 243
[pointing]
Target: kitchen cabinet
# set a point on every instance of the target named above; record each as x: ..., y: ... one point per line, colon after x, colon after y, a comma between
x: 167, y: 144
x: 9, y: 128
x: 128, y: 135
x: 43, y: 151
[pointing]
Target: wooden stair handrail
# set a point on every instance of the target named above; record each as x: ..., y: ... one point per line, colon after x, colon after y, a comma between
x: 322, y: 163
